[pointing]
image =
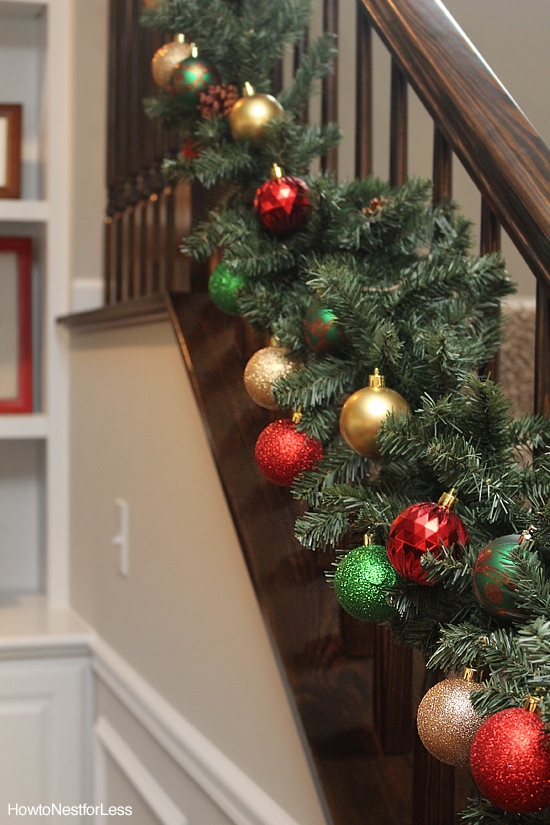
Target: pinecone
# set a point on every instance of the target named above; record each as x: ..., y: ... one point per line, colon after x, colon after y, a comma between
x: 218, y: 100
x: 374, y: 206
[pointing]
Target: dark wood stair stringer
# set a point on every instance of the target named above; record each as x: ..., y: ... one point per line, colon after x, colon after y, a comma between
x: 322, y: 659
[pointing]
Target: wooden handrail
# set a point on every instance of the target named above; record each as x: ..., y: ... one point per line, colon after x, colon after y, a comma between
x: 502, y: 152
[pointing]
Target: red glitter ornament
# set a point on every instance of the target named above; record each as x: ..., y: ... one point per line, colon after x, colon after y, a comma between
x: 282, y: 203
x: 282, y: 452
x: 423, y: 528
x: 510, y: 761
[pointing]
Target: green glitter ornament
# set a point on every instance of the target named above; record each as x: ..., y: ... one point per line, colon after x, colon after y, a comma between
x: 322, y: 331
x: 493, y: 577
x: 224, y: 287
x: 362, y: 580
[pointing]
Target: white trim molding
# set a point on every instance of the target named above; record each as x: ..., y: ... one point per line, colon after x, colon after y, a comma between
x: 241, y: 800
x: 134, y: 770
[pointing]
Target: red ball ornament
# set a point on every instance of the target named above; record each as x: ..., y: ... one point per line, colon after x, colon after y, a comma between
x: 282, y: 452
x: 282, y: 203
x: 424, y: 528
x: 510, y: 761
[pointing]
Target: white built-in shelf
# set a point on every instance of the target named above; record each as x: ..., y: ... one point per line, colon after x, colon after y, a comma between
x: 23, y: 425
x: 24, y: 210
x: 30, y: 628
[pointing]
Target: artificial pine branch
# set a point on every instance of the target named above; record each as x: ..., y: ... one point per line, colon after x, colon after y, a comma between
x: 411, y: 301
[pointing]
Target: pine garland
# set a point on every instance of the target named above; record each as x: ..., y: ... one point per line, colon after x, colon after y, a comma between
x: 411, y: 300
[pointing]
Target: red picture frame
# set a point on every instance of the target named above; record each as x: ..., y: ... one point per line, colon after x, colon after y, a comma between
x: 16, y: 370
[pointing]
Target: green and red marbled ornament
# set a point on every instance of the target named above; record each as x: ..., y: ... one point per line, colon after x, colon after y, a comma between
x: 493, y: 577
x: 322, y: 331
x: 189, y: 78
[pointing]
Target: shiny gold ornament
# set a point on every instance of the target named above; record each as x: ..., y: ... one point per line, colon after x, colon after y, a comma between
x: 446, y: 720
x: 261, y: 372
x: 151, y: 4
x: 167, y: 57
x: 364, y: 412
x: 250, y: 115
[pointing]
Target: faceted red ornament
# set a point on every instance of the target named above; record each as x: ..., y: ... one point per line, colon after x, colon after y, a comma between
x: 419, y: 529
x: 282, y: 204
x: 510, y: 761
x: 282, y: 452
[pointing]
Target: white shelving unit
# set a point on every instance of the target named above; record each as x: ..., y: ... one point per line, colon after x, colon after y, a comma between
x: 36, y: 67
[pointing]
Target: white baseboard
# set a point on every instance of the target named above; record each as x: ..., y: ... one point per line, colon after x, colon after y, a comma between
x: 241, y: 800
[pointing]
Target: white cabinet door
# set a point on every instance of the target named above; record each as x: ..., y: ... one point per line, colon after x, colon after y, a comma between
x: 45, y: 712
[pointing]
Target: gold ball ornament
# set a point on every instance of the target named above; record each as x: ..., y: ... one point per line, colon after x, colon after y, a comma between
x: 250, y: 115
x: 446, y: 720
x: 364, y: 412
x: 262, y: 370
x: 167, y: 58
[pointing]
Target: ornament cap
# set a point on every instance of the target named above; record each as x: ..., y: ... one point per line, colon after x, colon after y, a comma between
x: 194, y: 50
x: 179, y: 38
x: 368, y: 540
x: 276, y: 171
x: 376, y: 381
x: 531, y: 703
x: 297, y: 416
x: 248, y: 89
x: 449, y: 499
x: 469, y: 674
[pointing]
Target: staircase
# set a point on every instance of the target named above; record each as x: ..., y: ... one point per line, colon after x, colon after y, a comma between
x: 353, y: 690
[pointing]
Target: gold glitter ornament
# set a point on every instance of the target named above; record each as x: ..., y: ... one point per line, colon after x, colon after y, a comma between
x: 167, y: 58
x: 261, y: 372
x: 365, y: 411
x: 446, y: 720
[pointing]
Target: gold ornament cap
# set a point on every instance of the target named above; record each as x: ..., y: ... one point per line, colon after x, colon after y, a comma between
x: 448, y: 500
x: 376, y: 381
x: 531, y: 703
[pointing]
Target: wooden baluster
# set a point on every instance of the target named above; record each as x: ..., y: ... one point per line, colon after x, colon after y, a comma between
x: 489, y: 241
x: 442, y: 173
x: 393, y: 662
x: 363, y: 96
x: 542, y: 346
x: 398, y: 127
x: 329, y: 104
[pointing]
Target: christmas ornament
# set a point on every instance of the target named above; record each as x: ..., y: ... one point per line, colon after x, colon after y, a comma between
x: 446, y: 719
x: 282, y: 452
x: 282, y: 203
x: 189, y: 78
x: 365, y: 411
x: 424, y: 528
x: 322, y: 331
x: 250, y: 115
x: 492, y: 577
x: 261, y: 372
x: 218, y: 100
x: 362, y: 581
x: 151, y: 4
x: 166, y: 59
x: 224, y: 286
x: 510, y: 760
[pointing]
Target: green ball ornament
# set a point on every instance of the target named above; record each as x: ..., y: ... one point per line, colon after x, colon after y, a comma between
x: 189, y: 78
x: 322, y: 331
x: 493, y: 577
x: 361, y: 583
x: 224, y: 287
